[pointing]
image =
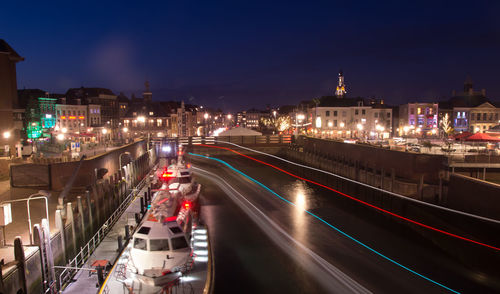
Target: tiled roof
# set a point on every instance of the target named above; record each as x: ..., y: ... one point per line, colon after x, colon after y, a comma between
x: 5, y: 48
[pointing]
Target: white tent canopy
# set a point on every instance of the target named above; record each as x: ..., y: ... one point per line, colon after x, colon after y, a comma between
x: 240, y: 131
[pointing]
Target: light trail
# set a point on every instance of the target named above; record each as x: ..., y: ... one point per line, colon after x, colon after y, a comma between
x: 359, y: 200
x: 327, y: 223
x: 366, y: 185
x: 332, y: 278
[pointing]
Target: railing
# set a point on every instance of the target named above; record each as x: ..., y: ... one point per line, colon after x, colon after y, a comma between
x: 86, y: 251
x: 244, y: 140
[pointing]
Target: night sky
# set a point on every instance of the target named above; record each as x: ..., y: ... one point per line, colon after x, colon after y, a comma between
x: 241, y: 54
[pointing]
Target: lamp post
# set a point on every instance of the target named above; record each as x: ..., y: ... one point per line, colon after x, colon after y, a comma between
x: 205, y: 116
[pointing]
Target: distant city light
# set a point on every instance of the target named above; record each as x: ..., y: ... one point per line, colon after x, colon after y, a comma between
x: 166, y: 148
x: 104, y: 131
x: 205, y: 115
x: 141, y: 119
x: 64, y: 130
x: 360, y: 127
x: 318, y: 122
x: 6, y: 135
x: 229, y: 116
x: 60, y: 137
x: 342, y: 124
x: 125, y: 129
x: 330, y: 124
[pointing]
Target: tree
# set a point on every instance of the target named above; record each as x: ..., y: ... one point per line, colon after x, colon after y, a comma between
x: 446, y: 125
x: 279, y: 123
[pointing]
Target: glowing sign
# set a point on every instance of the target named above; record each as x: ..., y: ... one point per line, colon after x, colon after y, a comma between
x: 5, y: 214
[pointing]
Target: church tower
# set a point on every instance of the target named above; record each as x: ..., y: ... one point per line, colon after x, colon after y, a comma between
x: 147, y: 95
x: 340, y: 92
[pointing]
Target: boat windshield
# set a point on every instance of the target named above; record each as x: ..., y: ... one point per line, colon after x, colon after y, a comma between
x: 181, y: 180
x: 140, y: 243
x: 179, y: 243
x: 158, y: 245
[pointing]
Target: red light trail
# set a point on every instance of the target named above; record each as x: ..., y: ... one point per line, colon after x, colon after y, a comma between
x: 356, y: 199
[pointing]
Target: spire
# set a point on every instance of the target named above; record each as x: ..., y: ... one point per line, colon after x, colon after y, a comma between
x: 147, y: 95
x: 468, y: 85
x: 340, y: 91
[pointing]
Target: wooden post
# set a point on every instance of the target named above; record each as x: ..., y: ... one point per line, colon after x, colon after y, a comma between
x: 70, y: 218
x: 82, y: 217
x: 89, y: 207
x: 20, y: 258
x: 60, y: 227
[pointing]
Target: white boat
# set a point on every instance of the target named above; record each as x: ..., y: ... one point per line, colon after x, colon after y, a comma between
x: 179, y: 179
x: 161, y: 247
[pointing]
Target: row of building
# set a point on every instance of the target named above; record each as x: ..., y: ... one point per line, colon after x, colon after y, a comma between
x: 338, y: 116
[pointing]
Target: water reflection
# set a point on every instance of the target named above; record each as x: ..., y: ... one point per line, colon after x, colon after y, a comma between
x: 303, y: 198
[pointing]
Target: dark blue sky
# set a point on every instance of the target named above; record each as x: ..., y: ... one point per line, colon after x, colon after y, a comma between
x: 240, y: 54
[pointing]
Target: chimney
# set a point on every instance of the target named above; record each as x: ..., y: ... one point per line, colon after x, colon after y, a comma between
x: 483, y: 92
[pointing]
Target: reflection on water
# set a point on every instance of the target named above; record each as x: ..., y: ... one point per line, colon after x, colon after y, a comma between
x: 303, y: 198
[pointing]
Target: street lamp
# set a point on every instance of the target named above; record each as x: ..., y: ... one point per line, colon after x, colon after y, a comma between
x: 205, y: 116
x: 6, y: 134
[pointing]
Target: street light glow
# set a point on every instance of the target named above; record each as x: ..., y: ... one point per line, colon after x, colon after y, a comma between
x: 6, y: 134
x: 125, y: 129
x: 64, y: 130
x: 318, y: 122
x: 60, y: 137
x: 104, y: 131
x: 205, y: 115
x: 360, y: 127
x: 141, y: 119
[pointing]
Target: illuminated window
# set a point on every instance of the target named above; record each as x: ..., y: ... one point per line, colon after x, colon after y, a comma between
x: 158, y: 122
x: 151, y: 113
x: 419, y: 110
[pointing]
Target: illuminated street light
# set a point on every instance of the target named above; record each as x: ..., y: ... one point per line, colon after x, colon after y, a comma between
x: 141, y: 119
x: 360, y: 127
x: 125, y: 129
x: 318, y: 122
x: 6, y: 134
x: 301, y: 117
x: 342, y: 124
x: 64, y: 130
x: 229, y: 116
x: 205, y: 116
x: 104, y: 131
x: 330, y: 124
x: 60, y: 137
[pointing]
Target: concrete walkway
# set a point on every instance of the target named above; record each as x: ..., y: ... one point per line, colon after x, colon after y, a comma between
x: 86, y: 281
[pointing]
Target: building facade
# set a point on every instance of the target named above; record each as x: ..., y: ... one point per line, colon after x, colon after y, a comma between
x: 11, y: 116
x: 418, y: 119
x: 350, y: 118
